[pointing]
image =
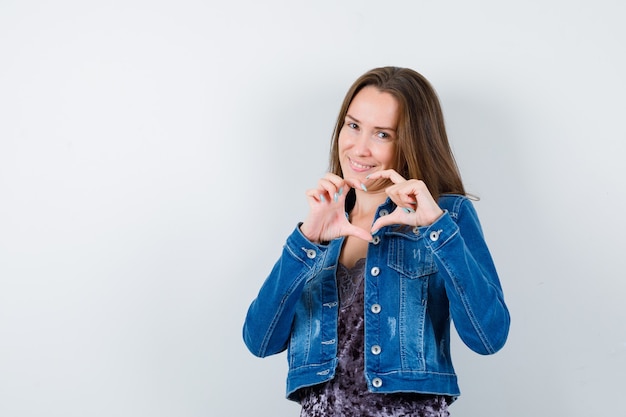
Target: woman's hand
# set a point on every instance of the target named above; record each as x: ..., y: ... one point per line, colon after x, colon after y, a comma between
x: 415, y: 205
x: 327, y: 219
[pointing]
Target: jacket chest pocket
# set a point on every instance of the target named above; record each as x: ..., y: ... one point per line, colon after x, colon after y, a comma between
x: 410, y: 257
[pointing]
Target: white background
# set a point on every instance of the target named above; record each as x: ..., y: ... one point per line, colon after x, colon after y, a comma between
x: 154, y: 156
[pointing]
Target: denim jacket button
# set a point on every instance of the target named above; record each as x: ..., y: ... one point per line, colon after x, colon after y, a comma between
x: 383, y: 212
x: 376, y: 350
x: 434, y: 235
x: 375, y: 271
x: 311, y: 254
x: 376, y: 308
x: 377, y: 382
x: 376, y: 240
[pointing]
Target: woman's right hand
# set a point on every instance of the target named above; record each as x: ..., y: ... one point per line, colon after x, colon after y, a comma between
x: 327, y: 219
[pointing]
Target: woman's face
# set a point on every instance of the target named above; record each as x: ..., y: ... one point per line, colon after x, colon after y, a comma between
x: 368, y: 138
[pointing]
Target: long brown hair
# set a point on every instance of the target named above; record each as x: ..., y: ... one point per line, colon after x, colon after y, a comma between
x: 423, y: 150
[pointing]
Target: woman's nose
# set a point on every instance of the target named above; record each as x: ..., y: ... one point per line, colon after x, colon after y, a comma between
x: 361, y: 144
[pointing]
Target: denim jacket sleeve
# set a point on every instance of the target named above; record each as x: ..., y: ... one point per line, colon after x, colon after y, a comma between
x: 472, y: 285
x: 267, y: 326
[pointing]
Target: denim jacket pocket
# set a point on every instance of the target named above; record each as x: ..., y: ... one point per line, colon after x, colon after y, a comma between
x: 409, y: 256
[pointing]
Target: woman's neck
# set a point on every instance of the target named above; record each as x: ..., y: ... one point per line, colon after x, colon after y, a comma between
x: 366, y: 204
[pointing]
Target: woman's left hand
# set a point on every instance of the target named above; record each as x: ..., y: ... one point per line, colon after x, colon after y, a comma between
x: 415, y: 205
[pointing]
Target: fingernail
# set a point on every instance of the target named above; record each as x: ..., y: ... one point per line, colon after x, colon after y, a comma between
x: 408, y: 210
x: 367, y: 177
x: 322, y: 198
x: 341, y: 191
x: 363, y: 187
x: 336, y: 197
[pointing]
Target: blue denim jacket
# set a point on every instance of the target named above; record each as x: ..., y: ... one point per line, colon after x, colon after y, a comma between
x: 416, y: 281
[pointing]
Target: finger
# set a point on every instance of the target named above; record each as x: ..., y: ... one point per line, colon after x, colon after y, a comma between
x: 402, y: 195
x: 341, y: 186
x: 409, y: 200
x: 328, y: 190
x: 320, y: 195
x: 335, y: 179
x: 315, y: 195
x: 356, y: 231
x: 408, y: 193
x: 380, y: 223
x: 401, y: 215
x: 389, y: 174
x: 400, y: 199
x: 355, y: 183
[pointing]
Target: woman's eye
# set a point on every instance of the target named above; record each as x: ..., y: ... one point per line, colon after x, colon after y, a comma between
x: 383, y: 135
x: 352, y: 125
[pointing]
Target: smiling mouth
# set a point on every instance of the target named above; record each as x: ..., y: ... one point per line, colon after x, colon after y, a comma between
x: 359, y: 167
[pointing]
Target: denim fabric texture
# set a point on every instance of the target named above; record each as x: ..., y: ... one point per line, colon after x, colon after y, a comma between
x: 417, y: 280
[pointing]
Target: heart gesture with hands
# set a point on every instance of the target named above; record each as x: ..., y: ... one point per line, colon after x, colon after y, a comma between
x: 327, y: 219
x: 415, y: 205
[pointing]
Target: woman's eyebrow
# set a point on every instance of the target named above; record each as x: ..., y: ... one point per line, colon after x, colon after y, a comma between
x: 354, y: 119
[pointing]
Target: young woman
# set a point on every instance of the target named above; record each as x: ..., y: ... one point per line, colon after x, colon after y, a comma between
x: 390, y: 252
